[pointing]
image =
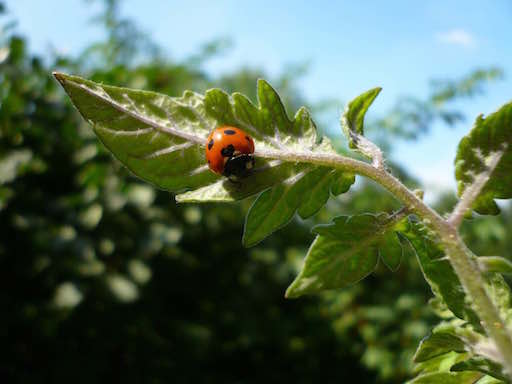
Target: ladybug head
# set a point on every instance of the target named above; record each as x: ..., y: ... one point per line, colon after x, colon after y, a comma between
x: 239, y: 166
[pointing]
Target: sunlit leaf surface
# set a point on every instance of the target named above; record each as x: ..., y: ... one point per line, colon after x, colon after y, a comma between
x: 352, y: 120
x: 347, y: 250
x: 161, y: 139
x: 484, y: 157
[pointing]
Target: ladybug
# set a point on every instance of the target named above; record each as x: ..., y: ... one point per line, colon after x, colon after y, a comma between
x: 229, y: 152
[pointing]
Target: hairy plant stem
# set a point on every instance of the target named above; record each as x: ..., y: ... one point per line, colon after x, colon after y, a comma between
x: 461, y: 258
x: 471, y: 193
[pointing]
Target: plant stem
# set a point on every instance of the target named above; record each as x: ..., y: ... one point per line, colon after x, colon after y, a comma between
x: 463, y: 261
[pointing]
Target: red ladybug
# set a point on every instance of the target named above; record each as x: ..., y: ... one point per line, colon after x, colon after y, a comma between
x: 229, y: 152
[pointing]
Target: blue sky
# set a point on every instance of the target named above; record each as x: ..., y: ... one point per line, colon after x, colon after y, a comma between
x: 351, y: 46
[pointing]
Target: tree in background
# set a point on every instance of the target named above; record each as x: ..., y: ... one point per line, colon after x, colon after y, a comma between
x: 104, y: 278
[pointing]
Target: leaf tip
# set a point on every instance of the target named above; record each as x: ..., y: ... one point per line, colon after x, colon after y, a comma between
x: 291, y: 292
x: 373, y: 93
x: 262, y: 82
x: 352, y: 119
x: 248, y: 242
x: 495, y: 264
x: 263, y: 86
x: 59, y: 76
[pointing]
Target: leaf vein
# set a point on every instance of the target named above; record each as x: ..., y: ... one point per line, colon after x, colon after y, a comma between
x: 146, y: 120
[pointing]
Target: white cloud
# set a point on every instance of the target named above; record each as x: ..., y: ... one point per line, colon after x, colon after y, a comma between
x: 456, y: 37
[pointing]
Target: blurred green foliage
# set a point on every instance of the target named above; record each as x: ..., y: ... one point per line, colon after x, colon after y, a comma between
x: 105, y: 279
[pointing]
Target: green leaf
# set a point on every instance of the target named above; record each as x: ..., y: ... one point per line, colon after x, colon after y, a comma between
x: 352, y: 120
x: 439, y: 307
x: 458, y: 346
x: 224, y: 190
x: 490, y: 380
x: 437, y: 344
x: 450, y: 342
x: 316, y: 187
x: 447, y: 378
x: 271, y: 210
x: 306, y: 192
x: 285, y: 188
x: 495, y: 264
x: 500, y: 293
x: 438, y: 272
x: 483, y: 365
x: 267, y: 123
x: 347, y: 250
x: 341, y: 182
x: 441, y: 363
x: 161, y: 139
x: 484, y: 157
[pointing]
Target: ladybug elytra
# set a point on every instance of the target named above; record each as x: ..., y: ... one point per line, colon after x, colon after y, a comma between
x: 229, y: 152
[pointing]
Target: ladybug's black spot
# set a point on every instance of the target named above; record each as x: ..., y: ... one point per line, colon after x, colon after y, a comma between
x: 229, y: 132
x: 228, y: 151
x: 210, y: 144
